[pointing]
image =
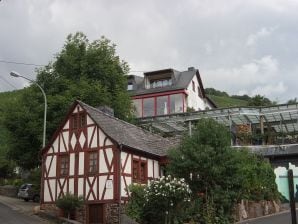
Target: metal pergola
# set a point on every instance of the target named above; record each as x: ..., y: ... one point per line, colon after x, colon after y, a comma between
x: 280, y: 121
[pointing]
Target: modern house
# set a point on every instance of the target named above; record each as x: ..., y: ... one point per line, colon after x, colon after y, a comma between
x: 168, y: 92
x: 98, y: 156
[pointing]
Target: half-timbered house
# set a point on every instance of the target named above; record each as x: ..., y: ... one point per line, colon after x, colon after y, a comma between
x: 98, y: 156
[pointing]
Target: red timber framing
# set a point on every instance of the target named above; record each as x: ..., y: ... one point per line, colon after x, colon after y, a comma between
x: 132, y: 155
x: 107, y: 154
x: 167, y: 94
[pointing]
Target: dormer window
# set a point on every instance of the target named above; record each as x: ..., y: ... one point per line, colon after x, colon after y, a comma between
x: 160, y: 83
x: 129, y: 86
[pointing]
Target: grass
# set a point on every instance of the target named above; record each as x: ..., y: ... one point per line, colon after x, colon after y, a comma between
x: 223, y: 101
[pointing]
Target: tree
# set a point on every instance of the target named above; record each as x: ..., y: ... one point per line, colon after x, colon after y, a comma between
x: 88, y: 71
x: 292, y: 101
x: 259, y: 100
x: 219, y: 173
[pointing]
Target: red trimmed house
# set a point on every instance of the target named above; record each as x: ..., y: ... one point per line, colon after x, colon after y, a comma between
x: 168, y: 92
x: 96, y: 155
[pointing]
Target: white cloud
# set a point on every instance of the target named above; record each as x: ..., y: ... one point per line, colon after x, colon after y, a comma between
x: 258, y: 75
x: 235, y: 44
x: 262, y: 33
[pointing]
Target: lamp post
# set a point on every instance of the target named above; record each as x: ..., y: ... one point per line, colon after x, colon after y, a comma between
x: 17, y: 75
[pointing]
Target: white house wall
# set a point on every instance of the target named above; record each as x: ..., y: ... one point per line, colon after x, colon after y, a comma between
x: 193, y: 99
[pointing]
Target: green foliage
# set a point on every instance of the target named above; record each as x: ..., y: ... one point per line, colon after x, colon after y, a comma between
x: 212, y: 91
x: 88, y: 71
x: 222, y: 174
x: 134, y: 208
x: 259, y: 100
x: 69, y: 203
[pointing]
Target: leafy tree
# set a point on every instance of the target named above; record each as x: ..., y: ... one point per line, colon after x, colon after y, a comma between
x: 212, y: 91
x: 259, y: 100
x: 88, y: 71
x: 292, y: 101
x: 221, y: 174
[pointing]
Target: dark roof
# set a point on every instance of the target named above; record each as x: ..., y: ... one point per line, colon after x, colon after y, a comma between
x: 128, y: 134
x: 272, y: 150
x: 180, y: 81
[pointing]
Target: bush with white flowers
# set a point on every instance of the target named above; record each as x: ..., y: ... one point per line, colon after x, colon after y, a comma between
x: 165, y: 199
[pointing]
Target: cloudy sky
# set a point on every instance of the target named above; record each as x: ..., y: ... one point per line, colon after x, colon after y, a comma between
x: 242, y: 47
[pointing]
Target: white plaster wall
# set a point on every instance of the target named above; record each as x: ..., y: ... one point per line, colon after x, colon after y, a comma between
x: 110, y: 156
x: 55, y: 144
x: 102, y: 163
x: 81, y: 163
x: 52, y: 172
x: 127, y: 168
x: 193, y: 99
x: 71, y: 185
x: 66, y: 126
x: 65, y: 137
x: 123, y: 189
x: 80, y: 186
x: 94, y: 140
x: 53, y: 188
x: 71, y: 163
x: 101, y: 137
x: 89, y: 120
x: 156, y: 169
x: 61, y: 144
x: 150, y: 167
x: 46, y: 195
x: 110, y: 191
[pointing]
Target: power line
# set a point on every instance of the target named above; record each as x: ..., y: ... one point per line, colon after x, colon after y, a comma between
x: 13, y: 86
x: 33, y: 64
x: 20, y: 63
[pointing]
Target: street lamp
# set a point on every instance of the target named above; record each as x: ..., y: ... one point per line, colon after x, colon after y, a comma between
x: 17, y: 75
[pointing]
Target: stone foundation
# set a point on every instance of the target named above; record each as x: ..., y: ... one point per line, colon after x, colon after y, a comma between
x: 111, y: 211
x: 250, y: 209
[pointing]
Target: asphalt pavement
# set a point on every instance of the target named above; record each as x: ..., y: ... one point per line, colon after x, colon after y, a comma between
x: 17, y: 211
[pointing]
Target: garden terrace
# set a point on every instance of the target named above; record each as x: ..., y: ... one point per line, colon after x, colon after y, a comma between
x: 270, y: 125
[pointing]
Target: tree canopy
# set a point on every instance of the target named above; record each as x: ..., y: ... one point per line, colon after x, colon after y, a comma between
x: 221, y: 174
x: 88, y: 71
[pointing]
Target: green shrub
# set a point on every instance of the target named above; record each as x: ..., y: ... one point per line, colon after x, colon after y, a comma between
x: 69, y: 203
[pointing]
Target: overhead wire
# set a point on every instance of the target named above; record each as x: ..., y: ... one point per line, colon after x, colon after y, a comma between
x: 7, y: 82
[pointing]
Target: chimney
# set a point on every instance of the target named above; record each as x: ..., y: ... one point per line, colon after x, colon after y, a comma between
x: 191, y: 69
x: 106, y: 110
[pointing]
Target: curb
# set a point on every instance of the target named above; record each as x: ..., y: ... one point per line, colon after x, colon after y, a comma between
x: 262, y: 217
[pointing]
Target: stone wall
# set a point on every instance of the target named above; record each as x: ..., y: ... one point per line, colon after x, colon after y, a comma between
x: 8, y: 190
x: 112, y: 213
x: 250, y: 209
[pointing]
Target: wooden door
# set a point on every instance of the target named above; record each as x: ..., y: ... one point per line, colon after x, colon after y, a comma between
x: 96, y: 214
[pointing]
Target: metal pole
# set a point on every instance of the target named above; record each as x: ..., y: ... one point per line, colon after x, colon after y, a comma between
x: 291, y: 196
x: 189, y: 128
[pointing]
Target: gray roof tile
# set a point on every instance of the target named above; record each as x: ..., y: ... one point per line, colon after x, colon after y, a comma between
x: 128, y: 134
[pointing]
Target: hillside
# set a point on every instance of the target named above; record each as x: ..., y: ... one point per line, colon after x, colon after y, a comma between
x: 227, y: 101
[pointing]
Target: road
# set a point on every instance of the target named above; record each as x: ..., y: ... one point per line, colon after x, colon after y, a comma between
x: 10, y: 216
x: 282, y: 218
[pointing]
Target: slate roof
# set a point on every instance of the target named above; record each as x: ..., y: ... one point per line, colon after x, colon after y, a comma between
x: 128, y: 134
x: 180, y: 81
